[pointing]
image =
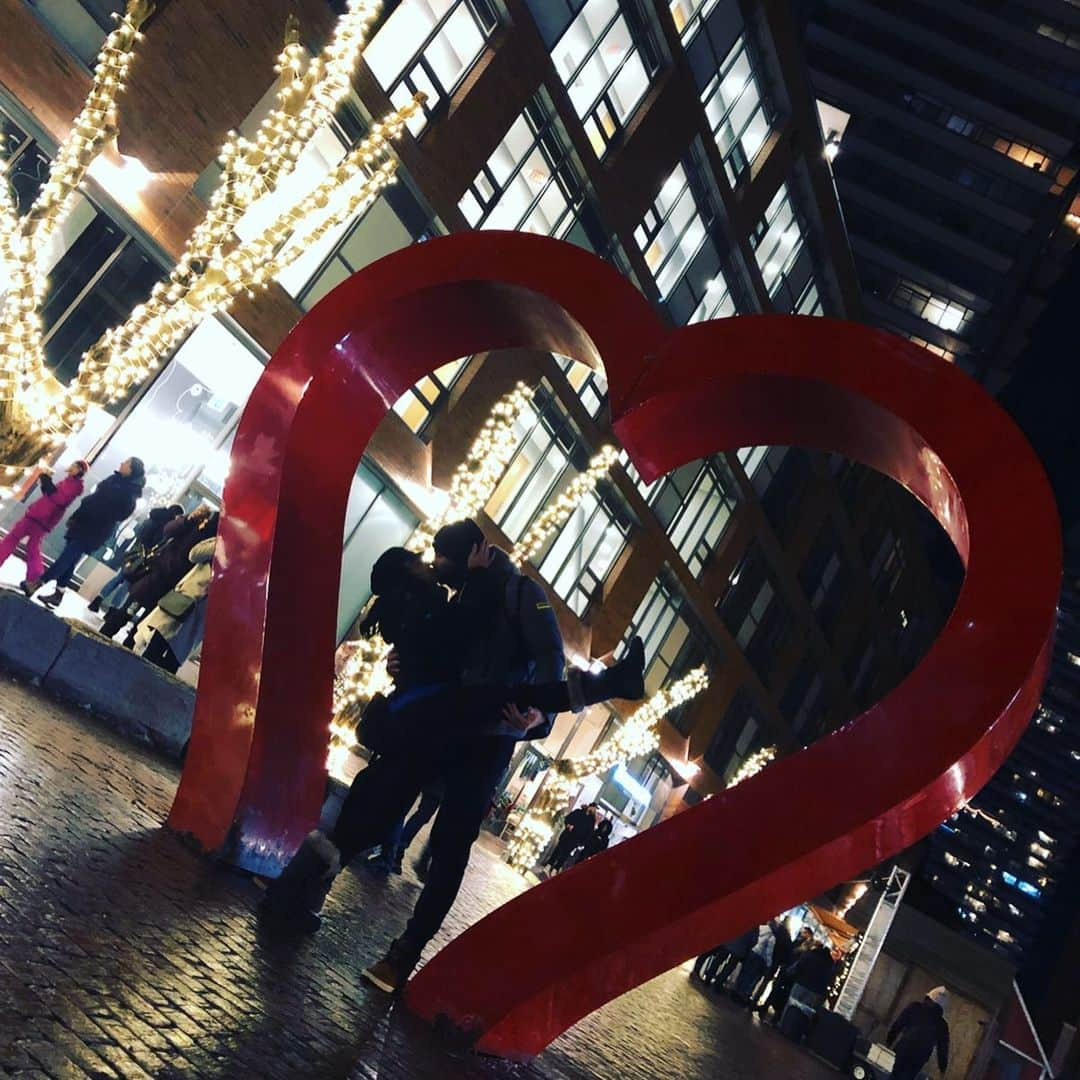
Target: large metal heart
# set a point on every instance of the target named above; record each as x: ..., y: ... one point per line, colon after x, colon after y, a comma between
x: 254, y: 778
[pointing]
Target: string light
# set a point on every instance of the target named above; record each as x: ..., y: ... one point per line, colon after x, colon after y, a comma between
x: 555, y: 515
x: 640, y: 735
x: 753, y: 765
x: 38, y: 414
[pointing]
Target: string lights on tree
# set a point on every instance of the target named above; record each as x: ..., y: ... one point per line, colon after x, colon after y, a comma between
x: 753, y: 765
x: 217, y: 265
x: 638, y: 736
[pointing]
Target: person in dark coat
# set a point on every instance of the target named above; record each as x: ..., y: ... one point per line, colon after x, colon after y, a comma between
x: 577, y: 829
x: 917, y: 1032
x: 781, y: 957
x: 508, y: 659
x: 814, y: 970
x: 735, y: 952
x: 170, y: 563
x: 148, y: 534
x: 91, y: 525
x: 781, y: 990
x: 593, y: 844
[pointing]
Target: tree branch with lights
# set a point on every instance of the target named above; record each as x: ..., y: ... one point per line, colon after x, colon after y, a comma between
x: 38, y: 413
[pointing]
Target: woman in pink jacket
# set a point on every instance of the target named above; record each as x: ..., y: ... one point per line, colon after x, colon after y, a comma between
x: 42, y: 517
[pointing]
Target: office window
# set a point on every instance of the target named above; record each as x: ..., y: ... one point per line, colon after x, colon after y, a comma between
x: 674, y: 644
x: 81, y: 26
x: 777, y: 240
x: 1018, y: 150
x: 801, y: 703
x: 738, y: 737
x: 606, y: 62
x: 375, y: 519
x: 584, y: 552
x: 695, y: 505
x: 753, y: 613
x: 588, y: 383
x: 672, y: 232
x: 423, y: 401
x: 24, y: 163
x: 715, y: 302
x: 753, y: 459
x: 809, y: 303
x: 550, y: 451
x: 688, y: 15
x: 947, y: 314
x: 737, y: 110
x: 429, y: 45
x: 1061, y: 34
x: 529, y: 182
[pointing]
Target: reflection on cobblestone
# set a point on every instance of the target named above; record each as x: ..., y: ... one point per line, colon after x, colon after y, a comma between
x: 124, y: 954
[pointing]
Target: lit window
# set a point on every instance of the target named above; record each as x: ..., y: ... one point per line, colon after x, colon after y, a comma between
x: 672, y: 232
x: 694, y: 505
x: 589, y: 384
x: 673, y: 643
x: 1061, y: 34
x: 549, y: 454
x: 586, y: 548
x: 606, y: 68
x: 1004, y: 935
x: 421, y: 402
x: 528, y: 183
x: 689, y: 14
x: 777, y: 240
x: 947, y: 314
x: 429, y: 45
x: 737, y: 111
x: 716, y: 302
x: 809, y: 303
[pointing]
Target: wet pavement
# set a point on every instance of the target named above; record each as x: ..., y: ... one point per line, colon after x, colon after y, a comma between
x: 125, y: 954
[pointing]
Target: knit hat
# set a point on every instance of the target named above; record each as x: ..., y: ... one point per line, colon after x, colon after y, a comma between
x: 940, y: 997
x: 457, y: 540
x: 84, y: 466
x: 389, y: 568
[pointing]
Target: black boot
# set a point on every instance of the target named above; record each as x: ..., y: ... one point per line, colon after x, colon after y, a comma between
x: 95, y: 605
x: 115, y: 620
x: 625, y: 679
x: 54, y: 599
x: 296, y: 897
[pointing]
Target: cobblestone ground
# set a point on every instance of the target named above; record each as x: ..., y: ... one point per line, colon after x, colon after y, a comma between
x: 125, y: 954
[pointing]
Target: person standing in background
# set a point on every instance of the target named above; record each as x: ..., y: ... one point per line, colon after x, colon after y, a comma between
x: 917, y: 1032
x: 42, y: 516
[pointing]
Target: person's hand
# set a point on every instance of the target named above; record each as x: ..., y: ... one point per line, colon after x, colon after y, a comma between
x: 523, y: 721
x: 480, y: 556
x: 393, y: 663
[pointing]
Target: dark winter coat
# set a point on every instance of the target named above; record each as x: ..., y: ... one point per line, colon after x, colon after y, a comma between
x: 814, y: 970
x: 151, y: 530
x: 99, y: 513
x: 918, y: 1031
x: 171, y: 562
x: 520, y: 642
x: 783, y: 947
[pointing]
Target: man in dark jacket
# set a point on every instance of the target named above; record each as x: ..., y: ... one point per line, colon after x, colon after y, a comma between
x: 917, y: 1032
x: 147, y: 536
x: 577, y: 828
x: 814, y: 970
x: 516, y: 641
x: 91, y: 525
x: 520, y: 642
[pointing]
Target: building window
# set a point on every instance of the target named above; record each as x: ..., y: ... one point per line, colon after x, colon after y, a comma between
x: 421, y: 402
x: 672, y: 231
x: 938, y: 310
x: 429, y: 45
x: 738, y: 736
x: 24, y: 164
x: 674, y: 644
x: 987, y: 135
x: 800, y: 704
x: 550, y: 451
x: 375, y: 519
x: 1060, y: 34
x: 81, y: 26
x: 586, y: 549
x: 694, y: 505
x: 753, y: 613
x: 809, y: 303
x: 688, y: 15
x: 529, y: 183
x: 737, y: 110
x: 606, y: 61
x: 588, y: 383
x: 777, y: 240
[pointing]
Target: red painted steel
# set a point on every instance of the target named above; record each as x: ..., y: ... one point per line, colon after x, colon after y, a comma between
x: 852, y: 799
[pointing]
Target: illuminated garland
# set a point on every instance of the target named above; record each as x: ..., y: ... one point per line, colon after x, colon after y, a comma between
x: 753, y: 765
x: 639, y: 735
x: 37, y: 413
x: 555, y: 515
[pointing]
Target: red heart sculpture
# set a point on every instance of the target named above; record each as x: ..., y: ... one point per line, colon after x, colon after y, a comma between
x: 254, y: 778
